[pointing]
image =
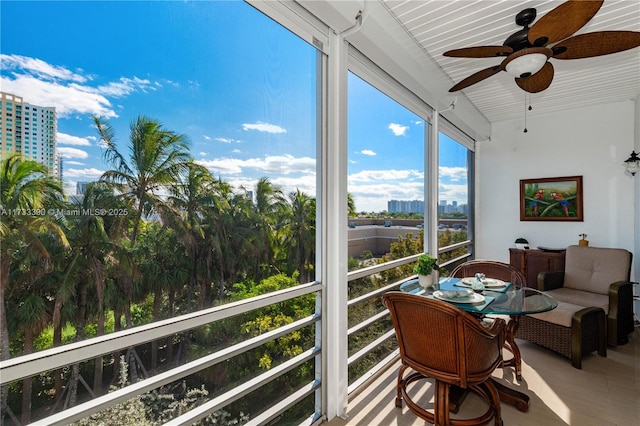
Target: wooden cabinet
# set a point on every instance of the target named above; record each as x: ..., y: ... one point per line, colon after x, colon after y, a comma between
x: 532, y: 262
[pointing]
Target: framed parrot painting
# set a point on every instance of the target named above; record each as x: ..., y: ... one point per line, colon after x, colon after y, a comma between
x: 545, y: 199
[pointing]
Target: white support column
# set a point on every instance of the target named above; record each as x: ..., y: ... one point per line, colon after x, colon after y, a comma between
x: 334, y: 232
x: 431, y: 188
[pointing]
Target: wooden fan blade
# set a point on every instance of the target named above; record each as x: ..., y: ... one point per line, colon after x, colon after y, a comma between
x: 537, y: 82
x: 475, y: 78
x: 479, y: 52
x: 562, y: 21
x: 596, y: 44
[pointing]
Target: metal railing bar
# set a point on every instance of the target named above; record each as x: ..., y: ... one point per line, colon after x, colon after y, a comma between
x: 96, y: 405
x: 245, y: 388
x: 370, y: 270
x: 274, y: 411
x: 368, y: 322
x: 54, y: 358
x: 378, y: 292
x: 454, y: 246
x: 373, y: 345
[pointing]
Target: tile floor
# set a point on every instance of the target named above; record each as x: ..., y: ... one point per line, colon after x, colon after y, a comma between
x: 606, y: 392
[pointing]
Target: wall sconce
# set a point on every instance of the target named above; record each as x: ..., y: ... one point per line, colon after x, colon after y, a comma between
x: 632, y: 164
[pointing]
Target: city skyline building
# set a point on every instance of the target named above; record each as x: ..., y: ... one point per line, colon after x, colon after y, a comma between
x: 417, y: 206
x: 405, y: 206
x: 29, y: 130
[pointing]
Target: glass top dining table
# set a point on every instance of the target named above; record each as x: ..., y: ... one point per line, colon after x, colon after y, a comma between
x: 507, y: 300
x: 500, y: 300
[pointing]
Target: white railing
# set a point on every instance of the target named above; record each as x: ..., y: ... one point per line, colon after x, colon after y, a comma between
x: 52, y: 359
x: 29, y: 365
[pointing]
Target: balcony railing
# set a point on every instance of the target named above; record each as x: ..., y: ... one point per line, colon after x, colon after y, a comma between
x: 19, y: 368
x: 30, y: 365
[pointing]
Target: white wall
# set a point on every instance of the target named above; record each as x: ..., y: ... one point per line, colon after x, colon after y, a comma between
x: 592, y: 142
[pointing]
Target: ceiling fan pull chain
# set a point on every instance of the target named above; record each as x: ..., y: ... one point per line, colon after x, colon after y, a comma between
x: 525, y: 112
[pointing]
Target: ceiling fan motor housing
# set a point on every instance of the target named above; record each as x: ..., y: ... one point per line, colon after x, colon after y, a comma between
x: 519, y: 39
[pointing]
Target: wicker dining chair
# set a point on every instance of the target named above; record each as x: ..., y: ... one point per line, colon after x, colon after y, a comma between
x: 507, y: 273
x: 440, y: 341
x: 491, y: 268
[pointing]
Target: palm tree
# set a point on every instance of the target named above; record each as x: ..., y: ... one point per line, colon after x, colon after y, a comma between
x: 156, y: 160
x: 271, y: 206
x: 27, y: 301
x: 193, y: 198
x: 300, y: 234
x: 94, y: 238
x: 351, y: 206
x: 163, y: 266
x: 26, y: 193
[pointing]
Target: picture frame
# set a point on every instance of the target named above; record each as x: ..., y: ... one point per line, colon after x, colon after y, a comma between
x: 551, y: 199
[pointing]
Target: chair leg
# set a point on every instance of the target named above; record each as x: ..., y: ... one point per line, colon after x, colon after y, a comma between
x: 495, y: 397
x: 441, y: 406
x: 399, y: 386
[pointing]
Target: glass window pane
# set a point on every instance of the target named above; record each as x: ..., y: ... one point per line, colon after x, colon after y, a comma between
x: 385, y: 174
x: 453, y: 197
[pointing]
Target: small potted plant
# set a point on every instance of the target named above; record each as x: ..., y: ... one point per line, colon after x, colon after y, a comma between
x: 425, y: 268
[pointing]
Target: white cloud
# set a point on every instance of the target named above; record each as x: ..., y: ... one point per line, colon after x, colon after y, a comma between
x: 208, y: 138
x: 63, y: 138
x: 67, y: 152
x: 385, y: 175
x: 368, y: 152
x: 39, y: 68
x: 225, y: 140
x: 203, y: 154
x: 398, y: 129
x: 306, y: 183
x: 86, y: 174
x: 125, y: 86
x: 44, y: 84
x: 222, y: 165
x: 67, y: 99
x: 73, y: 163
x: 264, y: 127
x: 276, y: 164
x: 454, y: 174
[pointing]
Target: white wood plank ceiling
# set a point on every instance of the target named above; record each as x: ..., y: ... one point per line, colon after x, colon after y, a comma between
x: 441, y: 25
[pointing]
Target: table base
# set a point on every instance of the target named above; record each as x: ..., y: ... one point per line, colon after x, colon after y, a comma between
x: 508, y: 395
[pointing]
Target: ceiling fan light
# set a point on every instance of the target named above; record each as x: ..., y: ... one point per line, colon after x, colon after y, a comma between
x: 526, y: 65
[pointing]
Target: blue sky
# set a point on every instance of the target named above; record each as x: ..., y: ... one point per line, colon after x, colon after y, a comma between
x: 238, y: 85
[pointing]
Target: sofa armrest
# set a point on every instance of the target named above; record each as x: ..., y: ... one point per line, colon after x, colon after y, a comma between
x: 620, y: 315
x: 550, y: 280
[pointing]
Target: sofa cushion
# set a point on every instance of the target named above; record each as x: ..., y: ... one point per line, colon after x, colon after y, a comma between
x: 594, y: 269
x: 581, y: 298
x: 561, y: 315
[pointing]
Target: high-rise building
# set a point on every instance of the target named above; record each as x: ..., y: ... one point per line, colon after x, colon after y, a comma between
x: 81, y: 187
x: 405, y: 206
x: 29, y: 130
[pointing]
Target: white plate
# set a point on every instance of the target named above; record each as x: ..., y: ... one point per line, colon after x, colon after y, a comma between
x: 474, y: 298
x: 488, y: 282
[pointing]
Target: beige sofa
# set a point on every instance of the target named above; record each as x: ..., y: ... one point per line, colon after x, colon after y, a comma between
x: 595, y: 304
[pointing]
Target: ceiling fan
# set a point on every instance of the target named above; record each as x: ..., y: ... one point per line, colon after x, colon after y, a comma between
x: 527, y: 51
